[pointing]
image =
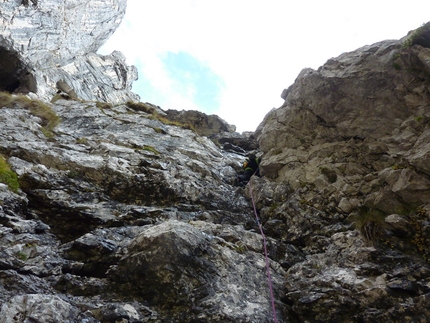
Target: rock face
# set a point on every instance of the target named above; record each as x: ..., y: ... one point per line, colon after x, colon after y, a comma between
x: 45, y: 41
x: 349, y: 150
x: 115, y: 204
x: 121, y: 212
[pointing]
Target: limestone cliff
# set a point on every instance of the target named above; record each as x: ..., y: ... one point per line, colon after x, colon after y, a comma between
x: 46, y: 41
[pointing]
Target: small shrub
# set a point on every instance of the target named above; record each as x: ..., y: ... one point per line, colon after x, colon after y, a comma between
x: 73, y: 174
x: 104, y: 105
x: 420, y: 36
x: 7, y: 176
x: 21, y: 256
x: 397, y: 66
x: 82, y: 141
x: 371, y: 230
x: 370, y: 223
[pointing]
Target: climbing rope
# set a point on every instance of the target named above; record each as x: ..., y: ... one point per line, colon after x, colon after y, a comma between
x: 269, y: 277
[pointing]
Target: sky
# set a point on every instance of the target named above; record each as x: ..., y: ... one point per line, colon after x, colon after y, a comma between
x: 233, y: 58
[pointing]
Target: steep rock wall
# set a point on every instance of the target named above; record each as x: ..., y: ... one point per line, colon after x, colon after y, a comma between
x: 50, y: 41
x: 347, y: 185
x: 120, y: 216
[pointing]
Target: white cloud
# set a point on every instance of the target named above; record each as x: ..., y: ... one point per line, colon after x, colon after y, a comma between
x: 257, y: 48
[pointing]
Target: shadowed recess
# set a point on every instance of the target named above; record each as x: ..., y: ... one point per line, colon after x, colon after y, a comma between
x: 14, y: 75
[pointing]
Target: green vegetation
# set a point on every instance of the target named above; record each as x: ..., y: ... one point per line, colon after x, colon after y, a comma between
x: 370, y: 223
x: 49, y: 118
x: 397, y: 66
x: 240, y: 248
x: 74, y: 174
x: 420, y: 36
x: 7, y: 176
x: 38, y: 108
x: 398, y: 167
x: 82, y: 141
x: 169, y: 122
x: 21, y: 256
x: 159, y: 130
x: 151, y: 149
x: 104, y: 105
x: 6, y: 99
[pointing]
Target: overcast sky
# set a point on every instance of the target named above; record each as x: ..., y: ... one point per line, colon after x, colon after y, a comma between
x: 233, y: 58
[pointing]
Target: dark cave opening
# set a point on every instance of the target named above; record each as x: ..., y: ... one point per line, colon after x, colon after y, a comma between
x: 14, y: 74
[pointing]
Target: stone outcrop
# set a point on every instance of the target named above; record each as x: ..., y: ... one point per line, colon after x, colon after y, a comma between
x: 215, y: 128
x: 349, y: 150
x: 205, y: 125
x: 45, y: 41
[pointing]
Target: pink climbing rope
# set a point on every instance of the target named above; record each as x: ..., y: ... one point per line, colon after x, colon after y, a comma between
x: 269, y: 277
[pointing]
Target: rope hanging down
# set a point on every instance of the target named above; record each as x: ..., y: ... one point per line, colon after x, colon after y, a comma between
x: 269, y: 277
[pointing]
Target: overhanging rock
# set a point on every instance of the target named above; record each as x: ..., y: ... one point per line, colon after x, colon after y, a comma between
x: 15, y: 76
x: 59, y: 39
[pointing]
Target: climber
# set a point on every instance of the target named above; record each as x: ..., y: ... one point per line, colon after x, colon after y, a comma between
x: 250, y: 167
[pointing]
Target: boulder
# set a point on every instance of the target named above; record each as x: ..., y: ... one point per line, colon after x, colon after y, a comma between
x: 190, y: 266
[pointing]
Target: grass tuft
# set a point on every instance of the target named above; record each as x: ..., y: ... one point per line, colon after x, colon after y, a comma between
x: 8, y: 176
x: 420, y: 36
x: 140, y: 106
x: 370, y: 223
x: 151, y: 149
x: 169, y: 122
x: 38, y: 108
